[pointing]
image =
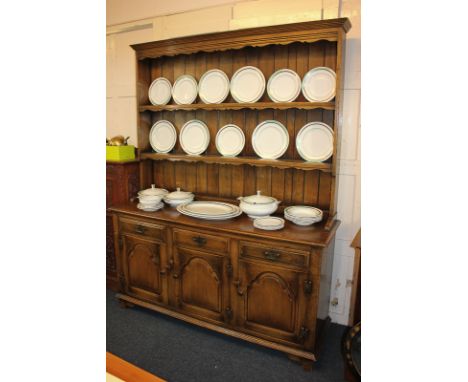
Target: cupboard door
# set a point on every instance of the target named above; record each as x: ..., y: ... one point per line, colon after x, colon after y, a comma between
x: 271, y: 301
x: 199, y: 283
x: 143, y: 268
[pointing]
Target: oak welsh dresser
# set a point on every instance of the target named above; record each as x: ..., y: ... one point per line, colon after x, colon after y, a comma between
x: 268, y: 287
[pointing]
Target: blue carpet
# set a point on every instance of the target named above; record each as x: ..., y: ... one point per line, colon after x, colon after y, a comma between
x: 181, y: 352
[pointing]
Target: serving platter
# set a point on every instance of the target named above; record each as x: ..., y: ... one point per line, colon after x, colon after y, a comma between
x: 160, y: 91
x: 209, y: 210
x: 185, y: 90
x: 213, y: 86
x: 270, y: 139
x: 194, y: 137
x: 314, y: 142
x: 247, y: 84
x: 319, y: 84
x: 230, y: 140
x: 284, y: 85
x: 163, y: 136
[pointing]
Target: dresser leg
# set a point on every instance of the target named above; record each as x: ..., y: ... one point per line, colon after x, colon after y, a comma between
x: 125, y: 304
x: 307, y: 364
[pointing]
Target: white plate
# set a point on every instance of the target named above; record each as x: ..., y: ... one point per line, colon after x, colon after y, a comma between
x: 230, y: 140
x: 319, y: 84
x: 185, y: 90
x: 163, y: 136
x: 213, y: 86
x: 194, y: 137
x: 247, y: 84
x: 160, y: 91
x: 314, y: 142
x: 270, y: 139
x: 284, y: 86
x: 210, y: 208
x: 269, y: 223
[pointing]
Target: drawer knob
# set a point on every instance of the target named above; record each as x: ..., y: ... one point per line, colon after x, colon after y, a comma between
x: 271, y: 255
x: 199, y: 240
x: 140, y: 229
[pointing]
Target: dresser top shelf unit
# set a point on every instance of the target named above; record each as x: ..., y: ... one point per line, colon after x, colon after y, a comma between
x: 296, y: 46
x: 253, y: 161
x: 240, y: 106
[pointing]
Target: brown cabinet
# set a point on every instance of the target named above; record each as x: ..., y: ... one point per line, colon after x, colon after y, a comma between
x: 122, y: 183
x: 268, y: 287
x: 217, y: 275
x: 271, y: 302
x: 199, y: 283
x: 143, y: 265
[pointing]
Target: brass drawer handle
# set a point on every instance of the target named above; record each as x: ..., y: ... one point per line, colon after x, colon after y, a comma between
x: 271, y: 255
x: 140, y: 229
x: 199, y: 240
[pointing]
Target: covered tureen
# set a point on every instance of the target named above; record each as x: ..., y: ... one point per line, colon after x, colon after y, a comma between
x: 258, y: 205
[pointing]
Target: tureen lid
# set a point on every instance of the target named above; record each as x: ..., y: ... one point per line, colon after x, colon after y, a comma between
x: 259, y: 199
x: 153, y: 191
x: 179, y: 195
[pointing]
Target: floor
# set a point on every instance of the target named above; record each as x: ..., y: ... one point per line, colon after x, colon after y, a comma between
x: 181, y: 352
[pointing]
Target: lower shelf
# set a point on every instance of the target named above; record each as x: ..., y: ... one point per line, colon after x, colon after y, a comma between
x: 219, y: 329
x: 252, y: 161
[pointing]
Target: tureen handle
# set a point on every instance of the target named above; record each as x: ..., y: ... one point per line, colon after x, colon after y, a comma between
x: 240, y: 198
x: 278, y: 202
x: 178, y: 189
x: 153, y: 186
x: 258, y: 192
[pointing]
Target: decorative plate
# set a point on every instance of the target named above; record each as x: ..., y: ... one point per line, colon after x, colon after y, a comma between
x: 213, y: 86
x: 163, y: 136
x: 159, y: 92
x: 314, y: 142
x: 270, y: 139
x: 185, y: 90
x: 247, y: 84
x: 284, y: 86
x: 194, y: 137
x: 230, y: 140
x: 319, y: 84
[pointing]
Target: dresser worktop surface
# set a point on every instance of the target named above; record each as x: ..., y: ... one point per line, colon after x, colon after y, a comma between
x: 314, y: 235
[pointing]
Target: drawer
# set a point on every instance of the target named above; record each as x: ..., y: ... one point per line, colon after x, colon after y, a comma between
x: 274, y: 254
x: 200, y: 240
x: 148, y: 230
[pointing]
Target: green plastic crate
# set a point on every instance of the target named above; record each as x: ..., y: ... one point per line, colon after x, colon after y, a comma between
x: 120, y: 153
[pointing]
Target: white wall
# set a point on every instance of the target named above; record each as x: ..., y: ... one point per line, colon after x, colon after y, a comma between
x: 146, y: 20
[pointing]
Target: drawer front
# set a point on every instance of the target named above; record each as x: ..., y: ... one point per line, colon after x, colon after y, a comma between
x: 274, y: 254
x: 148, y: 230
x: 201, y: 240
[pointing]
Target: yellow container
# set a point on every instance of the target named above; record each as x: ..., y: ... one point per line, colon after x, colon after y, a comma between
x: 120, y: 153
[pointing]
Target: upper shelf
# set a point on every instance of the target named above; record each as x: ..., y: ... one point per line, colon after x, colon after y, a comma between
x: 252, y: 161
x: 239, y: 106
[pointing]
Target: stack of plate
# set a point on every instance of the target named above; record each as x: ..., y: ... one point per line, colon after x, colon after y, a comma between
x: 178, y: 197
x: 150, y: 208
x: 269, y: 223
x: 303, y: 215
x: 210, y: 210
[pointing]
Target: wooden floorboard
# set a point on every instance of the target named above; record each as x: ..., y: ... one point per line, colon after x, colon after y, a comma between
x: 128, y: 372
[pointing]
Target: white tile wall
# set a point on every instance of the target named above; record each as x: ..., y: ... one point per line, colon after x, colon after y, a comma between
x: 121, y: 109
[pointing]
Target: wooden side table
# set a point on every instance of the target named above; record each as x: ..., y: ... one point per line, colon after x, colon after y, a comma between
x: 122, y: 184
